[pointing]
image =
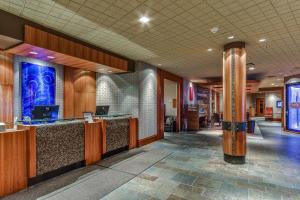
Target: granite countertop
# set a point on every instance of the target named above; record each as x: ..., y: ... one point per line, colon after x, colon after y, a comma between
x: 59, y: 123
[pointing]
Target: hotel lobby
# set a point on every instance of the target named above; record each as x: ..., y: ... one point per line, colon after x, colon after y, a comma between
x: 149, y: 99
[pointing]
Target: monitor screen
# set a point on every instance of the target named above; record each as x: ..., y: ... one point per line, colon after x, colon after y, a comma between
x: 45, y: 112
x: 87, y: 114
x: 278, y: 104
x: 102, y: 110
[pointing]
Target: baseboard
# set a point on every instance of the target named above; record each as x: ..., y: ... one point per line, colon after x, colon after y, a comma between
x: 147, y: 140
x: 114, y: 152
x: 54, y: 173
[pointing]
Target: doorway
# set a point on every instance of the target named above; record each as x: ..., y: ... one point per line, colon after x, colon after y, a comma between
x: 161, y: 77
x: 260, y: 107
x: 170, y: 105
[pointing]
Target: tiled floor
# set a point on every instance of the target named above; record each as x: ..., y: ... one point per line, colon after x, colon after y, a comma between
x: 186, y: 166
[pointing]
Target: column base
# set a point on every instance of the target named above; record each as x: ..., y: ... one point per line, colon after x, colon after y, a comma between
x: 234, y: 159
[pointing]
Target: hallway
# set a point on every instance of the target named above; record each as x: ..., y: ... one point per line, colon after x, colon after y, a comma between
x: 186, y: 166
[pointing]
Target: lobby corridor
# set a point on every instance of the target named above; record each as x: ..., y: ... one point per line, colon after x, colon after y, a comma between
x: 185, y: 166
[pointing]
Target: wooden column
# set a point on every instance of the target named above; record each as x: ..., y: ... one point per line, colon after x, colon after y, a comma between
x: 234, y: 102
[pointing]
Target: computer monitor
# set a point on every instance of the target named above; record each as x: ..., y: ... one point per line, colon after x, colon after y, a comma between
x: 45, y: 112
x: 278, y: 104
x: 87, y: 114
x: 102, y: 110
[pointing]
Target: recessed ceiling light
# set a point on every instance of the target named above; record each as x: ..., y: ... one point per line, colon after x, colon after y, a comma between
x: 209, y: 50
x: 262, y: 40
x: 273, y: 84
x: 251, y: 68
x: 144, y: 19
x: 159, y: 64
x: 109, y: 71
x: 33, y: 52
x: 231, y: 37
x: 214, y: 29
x: 50, y: 57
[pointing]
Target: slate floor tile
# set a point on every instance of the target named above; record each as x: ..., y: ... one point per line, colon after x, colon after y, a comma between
x: 184, y: 178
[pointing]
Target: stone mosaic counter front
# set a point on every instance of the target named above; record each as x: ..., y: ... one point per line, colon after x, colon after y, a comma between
x: 59, y: 145
x: 117, y: 133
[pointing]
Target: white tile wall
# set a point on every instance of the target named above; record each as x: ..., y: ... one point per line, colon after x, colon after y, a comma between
x: 133, y: 93
x: 147, y: 100
x: 59, y: 96
x: 120, y: 92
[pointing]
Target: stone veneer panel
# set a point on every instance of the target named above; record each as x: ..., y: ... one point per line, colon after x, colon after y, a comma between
x: 59, y: 96
x: 117, y: 133
x: 59, y: 145
x: 133, y: 93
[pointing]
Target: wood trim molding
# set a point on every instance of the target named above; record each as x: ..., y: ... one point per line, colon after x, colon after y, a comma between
x: 161, y: 75
x: 133, y: 133
x: 103, y: 133
x: 147, y: 140
x: 160, y: 104
x: 237, y: 44
x: 287, y: 78
x: 270, y: 89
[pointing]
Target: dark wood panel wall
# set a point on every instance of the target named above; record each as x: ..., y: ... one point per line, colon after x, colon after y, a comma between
x: 161, y: 75
x: 6, y: 87
x: 79, y: 92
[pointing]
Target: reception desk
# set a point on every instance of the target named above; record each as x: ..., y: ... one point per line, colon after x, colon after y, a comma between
x: 54, y: 147
x: 50, y: 149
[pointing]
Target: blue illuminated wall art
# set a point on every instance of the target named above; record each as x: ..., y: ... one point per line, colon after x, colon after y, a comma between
x: 293, y: 107
x: 38, y: 87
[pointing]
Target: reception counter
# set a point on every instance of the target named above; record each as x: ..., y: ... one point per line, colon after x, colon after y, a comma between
x: 59, y: 145
x: 53, y: 148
